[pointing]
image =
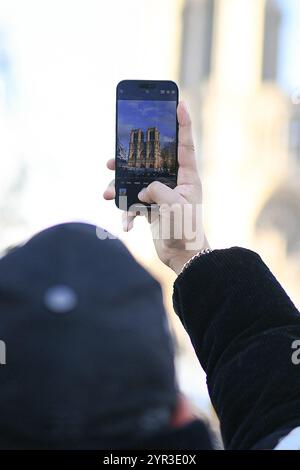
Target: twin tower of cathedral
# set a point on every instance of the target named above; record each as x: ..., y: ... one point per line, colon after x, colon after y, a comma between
x: 149, y: 153
x: 144, y: 154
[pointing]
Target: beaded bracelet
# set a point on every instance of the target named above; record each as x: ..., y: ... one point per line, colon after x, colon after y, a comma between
x: 205, y: 251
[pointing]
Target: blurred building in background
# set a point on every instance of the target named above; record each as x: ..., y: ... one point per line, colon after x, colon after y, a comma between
x: 247, y: 129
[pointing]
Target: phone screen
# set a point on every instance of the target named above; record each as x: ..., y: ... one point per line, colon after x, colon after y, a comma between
x: 146, y: 140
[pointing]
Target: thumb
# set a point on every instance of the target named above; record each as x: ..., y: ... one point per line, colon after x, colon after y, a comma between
x: 158, y: 193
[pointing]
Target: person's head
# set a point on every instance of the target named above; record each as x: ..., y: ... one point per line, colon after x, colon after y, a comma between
x: 89, y: 358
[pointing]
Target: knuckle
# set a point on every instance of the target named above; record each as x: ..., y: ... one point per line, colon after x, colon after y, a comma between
x: 190, y: 147
x: 153, y: 187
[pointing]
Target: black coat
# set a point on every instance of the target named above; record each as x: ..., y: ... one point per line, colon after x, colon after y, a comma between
x: 242, y: 325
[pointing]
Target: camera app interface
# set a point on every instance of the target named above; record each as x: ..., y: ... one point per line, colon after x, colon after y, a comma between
x: 146, y: 144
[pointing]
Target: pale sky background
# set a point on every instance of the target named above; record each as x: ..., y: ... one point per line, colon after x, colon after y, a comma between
x: 66, y: 58
x: 289, y: 64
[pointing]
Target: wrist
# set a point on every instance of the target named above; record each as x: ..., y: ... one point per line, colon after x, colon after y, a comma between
x: 177, y: 262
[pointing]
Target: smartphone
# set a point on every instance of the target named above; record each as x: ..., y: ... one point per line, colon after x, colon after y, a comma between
x: 146, y: 138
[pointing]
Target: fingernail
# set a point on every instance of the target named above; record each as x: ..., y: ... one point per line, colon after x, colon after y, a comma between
x: 142, y: 194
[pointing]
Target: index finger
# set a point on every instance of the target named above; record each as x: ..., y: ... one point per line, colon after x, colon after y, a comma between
x: 186, y: 148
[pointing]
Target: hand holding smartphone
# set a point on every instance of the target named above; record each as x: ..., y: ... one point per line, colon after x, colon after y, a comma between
x: 146, y: 138
x: 180, y: 190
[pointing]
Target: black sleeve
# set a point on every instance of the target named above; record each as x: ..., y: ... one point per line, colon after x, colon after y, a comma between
x: 242, y: 325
